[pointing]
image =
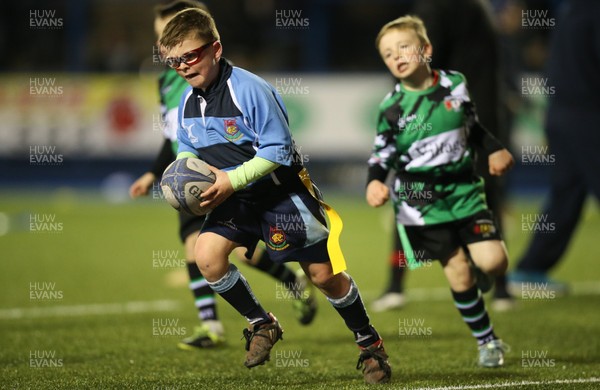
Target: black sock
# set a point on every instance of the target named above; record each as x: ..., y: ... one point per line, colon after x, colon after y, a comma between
x: 397, y: 268
x: 500, y: 290
x: 471, y: 306
x: 397, y: 265
x: 204, y: 296
x: 236, y: 291
x: 352, y: 310
x: 279, y: 271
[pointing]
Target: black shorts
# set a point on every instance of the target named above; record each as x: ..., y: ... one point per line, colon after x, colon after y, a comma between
x: 188, y: 224
x: 440, y: 241
x: 290, y: 223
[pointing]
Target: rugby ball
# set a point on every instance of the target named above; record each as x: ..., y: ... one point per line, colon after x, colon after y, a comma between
x: 183, y: 183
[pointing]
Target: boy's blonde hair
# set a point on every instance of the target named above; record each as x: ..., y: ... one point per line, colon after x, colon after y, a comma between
x: 407, y: 22
x: 189, y: 23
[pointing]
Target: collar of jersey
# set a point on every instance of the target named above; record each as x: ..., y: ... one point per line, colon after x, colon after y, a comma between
x: 436, y: 84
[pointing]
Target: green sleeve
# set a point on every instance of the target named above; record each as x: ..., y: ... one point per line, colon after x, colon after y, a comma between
x: 186, y: 155
x: 250, y: 171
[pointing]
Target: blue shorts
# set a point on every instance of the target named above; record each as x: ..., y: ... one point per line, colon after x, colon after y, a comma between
x: 291, y: 224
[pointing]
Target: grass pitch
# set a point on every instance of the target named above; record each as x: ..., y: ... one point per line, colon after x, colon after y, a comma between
x: 94, y: 296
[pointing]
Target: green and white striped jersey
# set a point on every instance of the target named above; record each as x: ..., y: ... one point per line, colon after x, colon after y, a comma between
x: 171, y: 87
x: 427, y: 138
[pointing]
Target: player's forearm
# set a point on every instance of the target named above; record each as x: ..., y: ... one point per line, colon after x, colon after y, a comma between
x: 377, y: 172
x: 479, y: 136
x: 163, y: 159
x: 250, y: 171
x: 483, y: 139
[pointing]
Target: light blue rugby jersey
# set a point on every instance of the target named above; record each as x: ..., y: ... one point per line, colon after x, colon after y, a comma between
x: 238, y: 117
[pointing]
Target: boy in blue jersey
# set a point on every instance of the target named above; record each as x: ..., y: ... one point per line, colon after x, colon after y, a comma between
x: 210, y: 332
x: 237, y: 123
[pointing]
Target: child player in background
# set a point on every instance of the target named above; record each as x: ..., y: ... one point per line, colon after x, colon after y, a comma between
x: 210, y: 332
x: 426, y: 131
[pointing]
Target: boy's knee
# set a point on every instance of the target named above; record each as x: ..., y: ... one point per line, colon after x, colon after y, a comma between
x: 322, y: 280
x: 211, y: 267
x: 332, y: 285
x: 499, y: 266
x: 496, y: 263
x: 490, y: 257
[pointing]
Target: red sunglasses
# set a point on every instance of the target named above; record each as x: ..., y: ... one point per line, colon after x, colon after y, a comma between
x: 189, y: 58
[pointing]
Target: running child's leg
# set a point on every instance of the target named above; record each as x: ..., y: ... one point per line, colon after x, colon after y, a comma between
x: 342, y: 292
x: 471, y: 306
x: 212, y: 252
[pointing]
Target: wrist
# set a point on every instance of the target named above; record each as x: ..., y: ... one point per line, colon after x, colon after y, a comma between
x: 235, y: 184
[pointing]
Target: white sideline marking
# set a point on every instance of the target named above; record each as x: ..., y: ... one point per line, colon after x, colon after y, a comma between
x: 443, y: 293
x: 89, y: 309
x: 428, y: 294
x: 413, y: 294
x: 514, y: 384
x: 585, y: 288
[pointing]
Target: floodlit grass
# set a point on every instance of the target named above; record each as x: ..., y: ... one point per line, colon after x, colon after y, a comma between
x: 93, y: 252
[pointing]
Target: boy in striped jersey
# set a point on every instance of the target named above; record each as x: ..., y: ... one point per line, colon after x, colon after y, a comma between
x: 427, y: 130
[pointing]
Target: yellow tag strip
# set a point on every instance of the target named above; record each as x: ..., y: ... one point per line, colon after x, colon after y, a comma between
x: 338, y: 263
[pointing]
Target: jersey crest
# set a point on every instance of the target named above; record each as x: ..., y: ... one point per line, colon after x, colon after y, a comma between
x: 452, y: 104
x: 232, y: 132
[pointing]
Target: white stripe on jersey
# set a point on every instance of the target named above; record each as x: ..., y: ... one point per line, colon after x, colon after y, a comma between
x: 439, y: 149
x: 239, y: 107
x: 408, y: 215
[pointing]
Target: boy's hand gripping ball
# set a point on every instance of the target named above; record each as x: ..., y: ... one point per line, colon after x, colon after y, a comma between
x: 183, y: 183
